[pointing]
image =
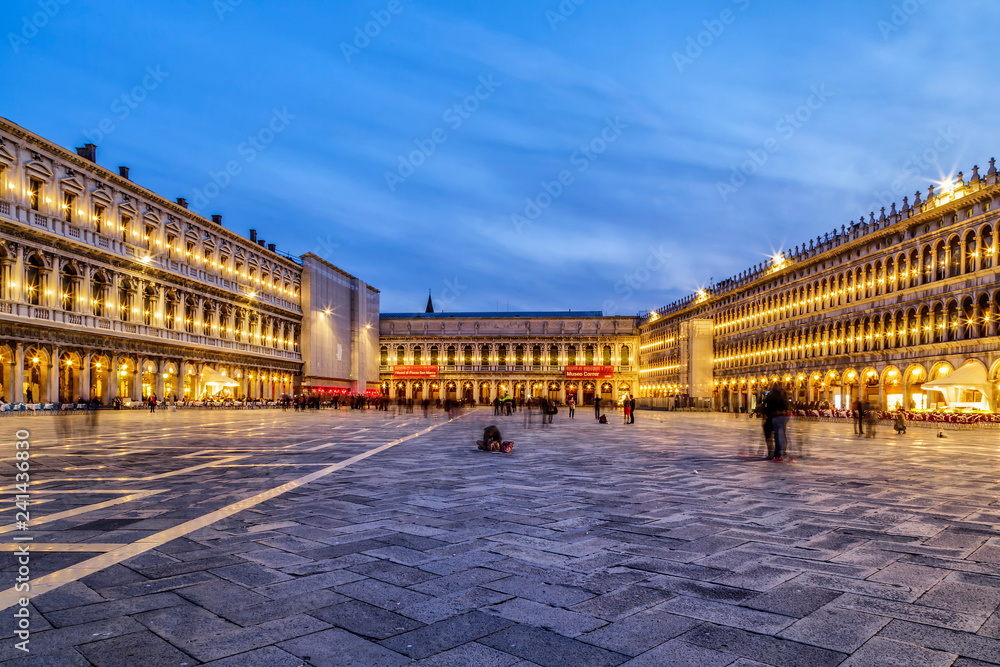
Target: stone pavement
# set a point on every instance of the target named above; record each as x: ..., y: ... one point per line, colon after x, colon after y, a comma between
x: 241, y: 538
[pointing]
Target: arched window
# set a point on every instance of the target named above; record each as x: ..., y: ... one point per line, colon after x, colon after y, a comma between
x: 467, y: 353
x: 606, y: 358
x: 383, y: 358
x: 588, y: 355
x: 191, y: 315
x: 554, y: 355
x: 956, y: 256
x: 502, y: 355
x: 484, y: 355
x: 519, y: 355
x: 98, y: 294
x: 941, y: 262
x: 400, y: 356
x: 68, y: 291
x: 418, y: 355
x: 625, y: 360
x: 125, y: 301
x: 536, y: 355
x: 434, y: 355
x: 148, y: 305
x: 33, y: 281
x: 970, y: 252
x: 451, y: 355
x: 986, y: 255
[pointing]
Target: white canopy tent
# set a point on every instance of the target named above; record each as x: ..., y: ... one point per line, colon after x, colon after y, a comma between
x: 212, y: 377
x: 971, y: 376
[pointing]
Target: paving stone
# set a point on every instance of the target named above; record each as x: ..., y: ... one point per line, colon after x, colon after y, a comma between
x: 880, y: 651
x: 765, y: 649
x: 155, y: 585
x: 837, y: 629
x: 564, y: 622
x: 275, y: 558
x: 440, y: 608
x: 61, y: 640
x: 470, y: 654
x: 458, y: 581
x: 338, y: 647
x: 250, y: 574
x: 219, y: 596
x: 941, y: 639
x: 539, y: 591
x: 622, y: 603
x: 943, y: 618
x: 115, y: 608
x: 549, y: 649
x: 679, y: 653
x: 381, y: 594
x: 289, y: 606
x: 724, y: 614
x: 792, y: 599
x: 269, y: 656
x: 365, y: 619
x: 309, y: 583
x: 73, y: 594
x: 445, y: 635
x: 137, y: 648
x: 640, y: 632
x: 963, y: 597
x: 393, y: 573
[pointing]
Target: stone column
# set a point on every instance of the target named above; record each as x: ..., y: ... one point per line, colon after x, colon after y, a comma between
x: 160, y: 388
x: 18, y: 291
x: 113, y: 378
x: 52, y: 393
x: 136, y: 383
x: 17, y: 391
x: 85, y: 377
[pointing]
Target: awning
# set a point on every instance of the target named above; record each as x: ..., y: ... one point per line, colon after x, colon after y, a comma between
x: 213, y: 377
x: 969, y: 376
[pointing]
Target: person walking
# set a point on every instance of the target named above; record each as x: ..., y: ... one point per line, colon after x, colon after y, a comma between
x: 627, y: 410
x: 778, y: 409
x: 572, y: 406
x: 152, y: 403
x: 597, y: 406
x: 859, y: 418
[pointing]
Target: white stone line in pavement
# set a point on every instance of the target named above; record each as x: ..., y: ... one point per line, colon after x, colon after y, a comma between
x: 217, y: 462
x: 136, y: 495
x: 73, y: 547
x: 54, y: 580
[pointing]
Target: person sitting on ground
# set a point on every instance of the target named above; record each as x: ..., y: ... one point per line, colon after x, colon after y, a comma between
x: 491, y: 439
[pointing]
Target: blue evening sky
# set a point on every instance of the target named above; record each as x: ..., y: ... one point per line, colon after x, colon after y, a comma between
x: 831, y: 107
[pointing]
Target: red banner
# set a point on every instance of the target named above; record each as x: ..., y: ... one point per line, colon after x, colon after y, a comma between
x: 415, y: 372
x: 590, y: 372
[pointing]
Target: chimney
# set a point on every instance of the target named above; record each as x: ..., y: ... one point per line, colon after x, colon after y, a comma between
x: 123, y: 172
x: 88, y: 152
x: 261, y: 243
x: 253, y: 235
x: 271, y: 247
x: 182, y: 202
x: 217, y: 219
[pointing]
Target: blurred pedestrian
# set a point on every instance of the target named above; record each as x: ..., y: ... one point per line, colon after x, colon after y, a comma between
x: 777, y: 407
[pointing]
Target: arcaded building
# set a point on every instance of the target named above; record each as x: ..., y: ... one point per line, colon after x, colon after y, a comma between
x: 112, y: 291
x: 477, y: 357
x: 873, y: 310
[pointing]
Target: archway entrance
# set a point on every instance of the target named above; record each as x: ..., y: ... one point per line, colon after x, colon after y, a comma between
x: 554, y: 391
x: 588, y: 393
